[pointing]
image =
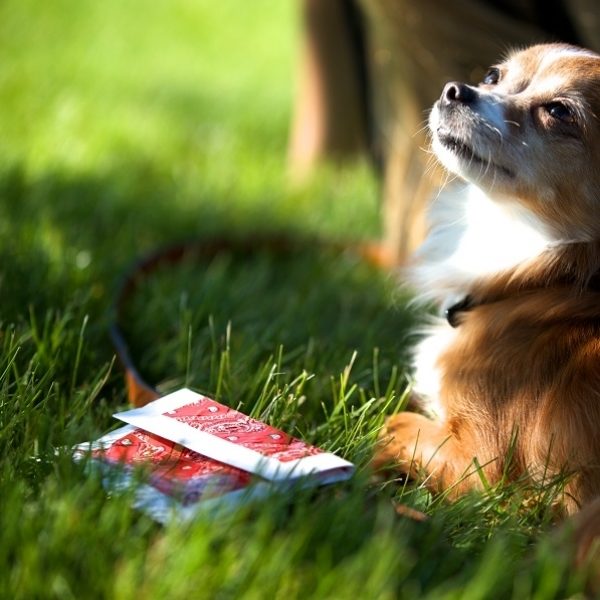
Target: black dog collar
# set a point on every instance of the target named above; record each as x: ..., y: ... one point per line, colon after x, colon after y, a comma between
x: 452, y: 313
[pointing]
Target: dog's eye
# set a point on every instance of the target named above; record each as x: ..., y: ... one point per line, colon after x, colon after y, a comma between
x: 492, y: 77
x: 560, y: 111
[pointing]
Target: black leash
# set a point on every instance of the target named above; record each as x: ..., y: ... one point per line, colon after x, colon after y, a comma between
x: 139, y: 391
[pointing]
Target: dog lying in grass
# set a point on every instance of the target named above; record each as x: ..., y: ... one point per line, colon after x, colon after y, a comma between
x: 509, y: 381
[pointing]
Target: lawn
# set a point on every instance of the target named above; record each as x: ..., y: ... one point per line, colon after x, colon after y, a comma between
x: 125, y: 126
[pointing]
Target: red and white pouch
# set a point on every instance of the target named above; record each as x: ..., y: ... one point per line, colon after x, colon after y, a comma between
x: 201, y: 454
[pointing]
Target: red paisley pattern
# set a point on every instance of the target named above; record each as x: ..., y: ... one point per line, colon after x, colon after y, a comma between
x: 221, y: 421
x: 177, y: 471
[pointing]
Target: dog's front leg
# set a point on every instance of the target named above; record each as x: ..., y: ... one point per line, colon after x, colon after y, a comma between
x: 426, y: 449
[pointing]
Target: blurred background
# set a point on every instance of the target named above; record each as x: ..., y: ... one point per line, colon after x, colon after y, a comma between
x: 125, y: 125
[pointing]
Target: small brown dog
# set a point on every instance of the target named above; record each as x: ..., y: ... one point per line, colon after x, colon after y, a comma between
x: 510, y: 379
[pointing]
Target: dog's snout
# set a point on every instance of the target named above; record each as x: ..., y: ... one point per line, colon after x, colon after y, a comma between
x: 458, y: 92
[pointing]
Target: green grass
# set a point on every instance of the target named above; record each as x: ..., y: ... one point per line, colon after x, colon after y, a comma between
x: 129, y: 125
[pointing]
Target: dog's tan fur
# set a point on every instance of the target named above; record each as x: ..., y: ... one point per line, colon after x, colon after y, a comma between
x: 519, y: 380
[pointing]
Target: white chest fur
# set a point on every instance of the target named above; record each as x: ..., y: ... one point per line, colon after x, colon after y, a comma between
x: 427, y: 374
x: 471, y: 238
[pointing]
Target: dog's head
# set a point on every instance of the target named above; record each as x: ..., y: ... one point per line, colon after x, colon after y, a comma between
x: 530, y: 132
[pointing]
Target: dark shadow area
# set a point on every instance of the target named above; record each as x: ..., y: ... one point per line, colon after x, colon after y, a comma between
x: 62, y: 234
x: 68, y: 240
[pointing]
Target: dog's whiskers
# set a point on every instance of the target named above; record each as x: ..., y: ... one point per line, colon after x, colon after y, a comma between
x: 421, y: 129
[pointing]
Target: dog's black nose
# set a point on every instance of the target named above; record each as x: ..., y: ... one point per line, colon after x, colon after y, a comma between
x: 458, y: 92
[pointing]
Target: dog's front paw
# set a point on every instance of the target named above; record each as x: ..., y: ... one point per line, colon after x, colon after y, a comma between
x: 397, y: 444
